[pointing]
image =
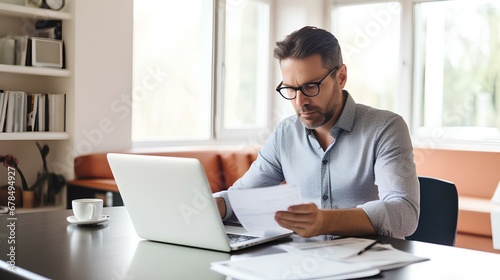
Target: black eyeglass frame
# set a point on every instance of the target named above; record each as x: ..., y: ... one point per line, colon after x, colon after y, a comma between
x: 317, y: 84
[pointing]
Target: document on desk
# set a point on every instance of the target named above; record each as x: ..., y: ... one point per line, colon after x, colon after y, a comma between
x: 255, y: 208
x: 291, y: 266
x: 337, y: 259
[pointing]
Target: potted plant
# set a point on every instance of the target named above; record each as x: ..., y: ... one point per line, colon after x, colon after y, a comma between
x: 55, y: 182
x: 11, y: 161
x: 32, y: 195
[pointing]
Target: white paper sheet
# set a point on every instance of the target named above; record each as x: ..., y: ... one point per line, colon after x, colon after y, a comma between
x: 291, y: 266
x: 337, y: 259
x: 255, y: 208
x: 340, y: 249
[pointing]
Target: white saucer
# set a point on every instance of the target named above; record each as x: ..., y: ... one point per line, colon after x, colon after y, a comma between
x: 102, y: 219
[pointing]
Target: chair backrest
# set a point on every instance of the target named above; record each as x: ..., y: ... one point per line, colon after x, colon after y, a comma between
x: 438, y: 212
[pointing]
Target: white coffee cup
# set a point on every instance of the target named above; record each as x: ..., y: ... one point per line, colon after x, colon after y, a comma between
x: 87, y: 209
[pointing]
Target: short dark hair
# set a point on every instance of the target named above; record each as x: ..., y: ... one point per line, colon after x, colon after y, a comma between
x: 309, y: 41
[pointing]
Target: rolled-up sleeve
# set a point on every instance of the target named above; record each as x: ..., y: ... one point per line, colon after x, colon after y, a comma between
x: 397, y: 211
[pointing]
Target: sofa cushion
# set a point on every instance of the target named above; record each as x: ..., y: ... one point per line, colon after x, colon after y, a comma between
x: 210, y: 161
x: 222, y: 166
x: 235, y: 164
x: 93, y: 166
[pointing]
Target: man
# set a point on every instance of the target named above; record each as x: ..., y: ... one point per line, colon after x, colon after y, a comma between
x: 354, y: 163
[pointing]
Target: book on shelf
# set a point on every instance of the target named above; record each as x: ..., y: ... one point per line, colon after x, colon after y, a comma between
x: 50, y: 114
x: 21, y: 48
x: 9, y: 117
x: 41, y: 117
x: 15, y: 119
x: 57, y: 112
x: 3, y: 108
x: 21, y: 111
x: 7, y: 50
x: 32, y: 111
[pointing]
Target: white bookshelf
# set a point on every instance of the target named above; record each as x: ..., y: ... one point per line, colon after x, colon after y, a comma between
x: 17, y: 19
x: 34, y: 136
x: 20, y: 11
x: 9, y: 12
x: 38, y: 71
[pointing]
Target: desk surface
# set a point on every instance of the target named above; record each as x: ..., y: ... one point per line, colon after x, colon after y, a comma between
x: 48, y: 245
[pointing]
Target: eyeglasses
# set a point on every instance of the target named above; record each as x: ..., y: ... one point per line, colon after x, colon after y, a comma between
x: 309, y: 89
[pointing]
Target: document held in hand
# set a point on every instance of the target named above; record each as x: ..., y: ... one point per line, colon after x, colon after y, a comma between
x: 255, y: 208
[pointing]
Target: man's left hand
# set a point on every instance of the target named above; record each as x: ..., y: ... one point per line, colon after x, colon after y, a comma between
x: 304, y: 219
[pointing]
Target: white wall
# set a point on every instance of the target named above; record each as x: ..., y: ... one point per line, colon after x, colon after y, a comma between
x: 103, y: 75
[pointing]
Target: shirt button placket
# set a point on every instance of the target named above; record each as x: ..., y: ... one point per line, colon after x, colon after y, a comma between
x: 325, y: 202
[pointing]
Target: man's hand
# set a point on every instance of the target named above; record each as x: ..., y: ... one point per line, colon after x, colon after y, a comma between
x: 305, y: 219
x: 221, y: 205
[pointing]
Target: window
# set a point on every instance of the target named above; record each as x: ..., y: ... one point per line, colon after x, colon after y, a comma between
x: 369, y: 36
x: 172, y: 86
x: 443, y: 56
x: 457, y: 69
x: 180, y: 51
x: 246, y: 88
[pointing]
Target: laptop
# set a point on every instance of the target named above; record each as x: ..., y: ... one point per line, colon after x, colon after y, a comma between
x: 169, y: 200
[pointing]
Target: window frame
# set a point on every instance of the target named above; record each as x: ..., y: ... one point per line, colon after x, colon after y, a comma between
x: 220, y: 133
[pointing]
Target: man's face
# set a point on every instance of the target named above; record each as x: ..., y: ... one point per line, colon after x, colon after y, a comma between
x: 323, y: 109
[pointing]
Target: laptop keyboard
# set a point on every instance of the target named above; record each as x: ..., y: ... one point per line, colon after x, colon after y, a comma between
x: 235, y: 238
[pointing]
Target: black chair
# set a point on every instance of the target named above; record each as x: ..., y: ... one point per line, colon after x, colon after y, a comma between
x: 438, y: 212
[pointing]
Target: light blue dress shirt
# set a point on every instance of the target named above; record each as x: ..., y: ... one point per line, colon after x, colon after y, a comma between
x: 368, y: 165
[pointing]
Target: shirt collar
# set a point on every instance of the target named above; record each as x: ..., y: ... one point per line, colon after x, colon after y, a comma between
x: 346, y: 119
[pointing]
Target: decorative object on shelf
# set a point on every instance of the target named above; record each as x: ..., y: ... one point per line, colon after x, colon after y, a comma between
x: 44, y: 189
x: 49, y: 29
x: 5, y: 192
x: 55, y: 5
x: 50, y: 183
x: 29, y: 199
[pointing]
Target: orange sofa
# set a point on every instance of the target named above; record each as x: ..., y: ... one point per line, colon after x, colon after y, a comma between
x: 223, y: 166
x: 475, y: 174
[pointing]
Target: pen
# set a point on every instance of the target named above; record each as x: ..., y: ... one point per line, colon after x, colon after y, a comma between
x: 368, y: 247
